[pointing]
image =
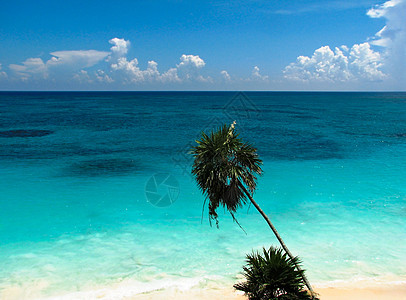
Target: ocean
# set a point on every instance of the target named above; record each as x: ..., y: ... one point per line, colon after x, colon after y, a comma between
x: 97, y: 195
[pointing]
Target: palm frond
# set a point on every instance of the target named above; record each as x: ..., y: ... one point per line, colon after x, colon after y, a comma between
x: 272, y: 274
x: 223, y: 165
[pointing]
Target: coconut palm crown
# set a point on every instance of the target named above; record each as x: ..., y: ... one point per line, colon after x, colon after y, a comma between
x: 225, y: 169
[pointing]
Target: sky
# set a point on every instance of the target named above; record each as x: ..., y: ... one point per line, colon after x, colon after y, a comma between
x: 340, y: 45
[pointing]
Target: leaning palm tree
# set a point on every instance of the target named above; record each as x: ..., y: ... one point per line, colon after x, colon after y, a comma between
x: 226, y: 170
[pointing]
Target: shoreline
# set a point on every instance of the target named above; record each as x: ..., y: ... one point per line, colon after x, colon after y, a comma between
x: 395, y: 292
x: 210, y: 288
x: 392, y: 292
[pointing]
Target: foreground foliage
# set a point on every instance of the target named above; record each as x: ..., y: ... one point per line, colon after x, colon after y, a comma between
x: 273, y: 276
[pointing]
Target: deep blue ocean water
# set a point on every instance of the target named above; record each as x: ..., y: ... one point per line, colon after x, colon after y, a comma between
x: 78, y: 209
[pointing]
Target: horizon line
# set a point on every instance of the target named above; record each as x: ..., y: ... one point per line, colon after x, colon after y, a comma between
x: 196, y: 91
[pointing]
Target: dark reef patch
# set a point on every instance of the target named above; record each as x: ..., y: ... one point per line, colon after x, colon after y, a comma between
x: 279, y: 143
x: 25, y: 133
x: 304, y: 117
x: 52, y: 151
x: 304, y: 150
x: 100, y: 167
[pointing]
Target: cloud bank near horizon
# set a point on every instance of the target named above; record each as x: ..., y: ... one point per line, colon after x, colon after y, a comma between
x: 379, y: 61
x: 356, y: 64
x: 361, y: 63
x: 90, y: 67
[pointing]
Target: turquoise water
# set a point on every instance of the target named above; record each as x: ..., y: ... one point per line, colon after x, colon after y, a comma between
x: 75, y: 167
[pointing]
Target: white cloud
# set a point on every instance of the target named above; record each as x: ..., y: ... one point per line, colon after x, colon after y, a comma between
x: 82, y: 76
x: 134, y: 73
x: 31, y: 68
x: 61, y: 63
x: 73, y: 64
x: 128, y: 67
x: 366, y: 63
x: 186, y: 70
x: 98, y: 76
x: 151, y: 73
x: 65, y: 65
x: 78, y: 59
x: 189, y: 68
x: 3, y: 74
x: 225, y: 75
x: 359, y: 62
x: 201, y: 78
x: 170, y: 76
x: 193, y: 61
x: 120, y: 46
x: 256, y: 76
x: 392, y: 37
x: 101, y: 76
x: 382, y: 10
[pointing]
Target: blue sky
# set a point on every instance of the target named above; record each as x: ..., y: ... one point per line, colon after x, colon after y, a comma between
x: 203, y: 45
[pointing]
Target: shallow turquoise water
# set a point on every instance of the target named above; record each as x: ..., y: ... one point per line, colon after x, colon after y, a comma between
x: 74, y: 170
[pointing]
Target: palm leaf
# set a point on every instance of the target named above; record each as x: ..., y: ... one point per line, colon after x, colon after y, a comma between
x: 273, y: 275
x: 223, y: 166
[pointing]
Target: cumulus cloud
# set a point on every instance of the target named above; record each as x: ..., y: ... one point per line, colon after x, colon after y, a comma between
x: 366, y: 63
x: 128, y: 67
x: 170, y: 76
x: 392, y: 37
x: 77, y: 64
x: 359, y: 62
x: 83, y: 77
x: 120, y: 46
x: 256, y: 76
x: 3, y: 74
x: 134, y: 73
x: 31, y: 68
x: 187, y: 69
x: 225, y: 75
x: 191, y: 61
x: 151, y: 72
x: 101, y: 76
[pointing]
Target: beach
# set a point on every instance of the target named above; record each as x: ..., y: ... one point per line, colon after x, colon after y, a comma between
x: 190, y: 289
x: 393, y: 293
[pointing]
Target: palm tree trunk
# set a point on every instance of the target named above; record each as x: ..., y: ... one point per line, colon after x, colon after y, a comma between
x: 278, y: 237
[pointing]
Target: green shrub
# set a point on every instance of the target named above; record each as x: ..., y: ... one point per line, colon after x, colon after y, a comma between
x: 273, y: 276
